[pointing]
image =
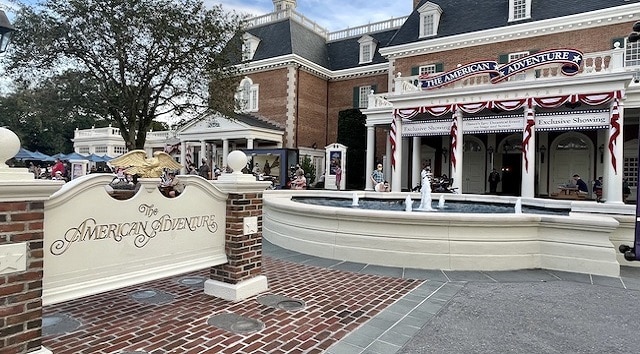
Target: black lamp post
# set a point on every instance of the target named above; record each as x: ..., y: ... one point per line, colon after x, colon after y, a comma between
x: 630, y: 253
x: 6, y: 29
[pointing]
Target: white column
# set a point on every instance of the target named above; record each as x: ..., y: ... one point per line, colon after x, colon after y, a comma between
x: 225, y: 152
x: 613, y: 156
x: 416, y: 166
x: 371, y: 155
x: 457, y: 144
x: 250, y: 143
x: 527, y: 184
x: 183, y: 155
x: 543, y: 140
x: 203, y: 153
x: 386, y: 160
x: 396, y: 177
x: 214, y: 156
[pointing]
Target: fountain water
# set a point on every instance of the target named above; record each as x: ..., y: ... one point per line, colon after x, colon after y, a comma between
x: 518, y: 206
x: 441, y: 202
x: 425, y: 191
x: 408, y: 202
x: 355, y: 199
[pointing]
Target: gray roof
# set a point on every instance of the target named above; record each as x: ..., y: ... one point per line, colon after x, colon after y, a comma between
x: 466, y: 16
x: 458, y: 17
x: 254, y: 121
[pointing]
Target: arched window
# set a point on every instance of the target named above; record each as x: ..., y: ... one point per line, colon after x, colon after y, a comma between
x: 572, y: 143
x: 247, y: 95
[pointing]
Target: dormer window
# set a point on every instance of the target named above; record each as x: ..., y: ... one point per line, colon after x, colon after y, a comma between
x: 429, y: 19
x: 519, y: 10
x: 249, y: 46
x: 367, y: 49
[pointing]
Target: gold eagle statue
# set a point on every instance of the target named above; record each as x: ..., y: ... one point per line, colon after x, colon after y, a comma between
x: 136, y: 162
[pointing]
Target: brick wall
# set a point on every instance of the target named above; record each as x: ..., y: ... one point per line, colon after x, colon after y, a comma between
x: 20, y: 292
x: 273, y: 95
x: 312, y: 110
x: 244, y: 252
x: 587, y: 40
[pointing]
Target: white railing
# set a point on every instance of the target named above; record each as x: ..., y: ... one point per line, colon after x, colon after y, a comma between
x: 364, y: 29
x: 337, y: 35
x: 283, y: 14
x: 97, y: 132
x: 593, y: 64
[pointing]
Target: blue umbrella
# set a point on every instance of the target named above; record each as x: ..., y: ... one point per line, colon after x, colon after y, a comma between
x: 106, y: 158
x: 95, y: 158
x: 74, y: 156
x: 40, y: 156
x: 24, y: 154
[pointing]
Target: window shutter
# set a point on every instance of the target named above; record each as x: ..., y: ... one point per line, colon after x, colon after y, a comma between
x: 356, y: 97
x: 439, y: 67
x: 619, y: 40
x: 503, y: 58
x: 415, y: 70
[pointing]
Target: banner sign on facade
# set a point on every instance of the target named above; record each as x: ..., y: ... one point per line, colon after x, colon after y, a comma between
x: 591, y: 119
x: 493, y: 125
x: 570, y: 59
x: 482, y: 67
x: 426, y: 128
x: 594, y: 119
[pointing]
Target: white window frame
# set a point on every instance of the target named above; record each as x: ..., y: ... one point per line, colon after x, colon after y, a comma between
x: 516, y: 56
x: 429, y: 19
x: 249, y: 46
x: 427, y: 69
x: 367, y: 49
x: 363, y: 98
x: 248, y: 95
x: 522, y: 8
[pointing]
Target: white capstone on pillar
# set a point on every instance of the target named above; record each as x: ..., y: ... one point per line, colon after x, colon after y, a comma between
x: 528, y: 154
x: 613, y: 156
x: 456, y: 150
x: 371, y: 154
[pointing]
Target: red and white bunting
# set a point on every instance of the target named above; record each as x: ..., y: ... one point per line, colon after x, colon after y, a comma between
x: 615, y: 128
x: 392, y: 140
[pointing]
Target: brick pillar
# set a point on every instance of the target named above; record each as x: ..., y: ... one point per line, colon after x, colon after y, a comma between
x: 21, y: 268
x: 244, y: 252
x: 241, y: 276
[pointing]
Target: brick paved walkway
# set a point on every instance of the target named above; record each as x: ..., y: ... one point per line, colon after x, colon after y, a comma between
x: 337, y: 302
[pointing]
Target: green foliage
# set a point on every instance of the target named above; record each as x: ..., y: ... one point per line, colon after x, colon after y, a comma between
x: 44, y: 118
x: 352, y: 132
x: 136, y: 60
x: 309, y: 169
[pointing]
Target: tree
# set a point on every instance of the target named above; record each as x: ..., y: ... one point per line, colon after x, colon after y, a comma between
x: 352, y: 132
x: 45, y: 117
x: 137, y: 59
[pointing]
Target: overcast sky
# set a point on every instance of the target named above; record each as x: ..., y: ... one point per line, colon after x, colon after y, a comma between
x: 333, y: 15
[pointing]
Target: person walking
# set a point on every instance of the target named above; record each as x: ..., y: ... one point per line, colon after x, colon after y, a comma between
x: 205, y: 170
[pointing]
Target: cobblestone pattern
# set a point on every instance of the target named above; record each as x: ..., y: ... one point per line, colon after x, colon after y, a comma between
x: 20, y: 292
x: 337, y: 302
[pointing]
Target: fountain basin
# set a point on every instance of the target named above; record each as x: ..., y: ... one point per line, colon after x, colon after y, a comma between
x: 578, y: 243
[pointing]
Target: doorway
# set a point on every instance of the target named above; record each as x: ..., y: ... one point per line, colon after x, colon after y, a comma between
x: 511, y: 173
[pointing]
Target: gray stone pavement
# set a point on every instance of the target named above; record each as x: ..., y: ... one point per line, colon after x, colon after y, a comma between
x: 525, y: 311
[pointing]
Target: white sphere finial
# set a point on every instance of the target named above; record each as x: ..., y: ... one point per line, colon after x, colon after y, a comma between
x: 237, y: 160
x: 10, y: 144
